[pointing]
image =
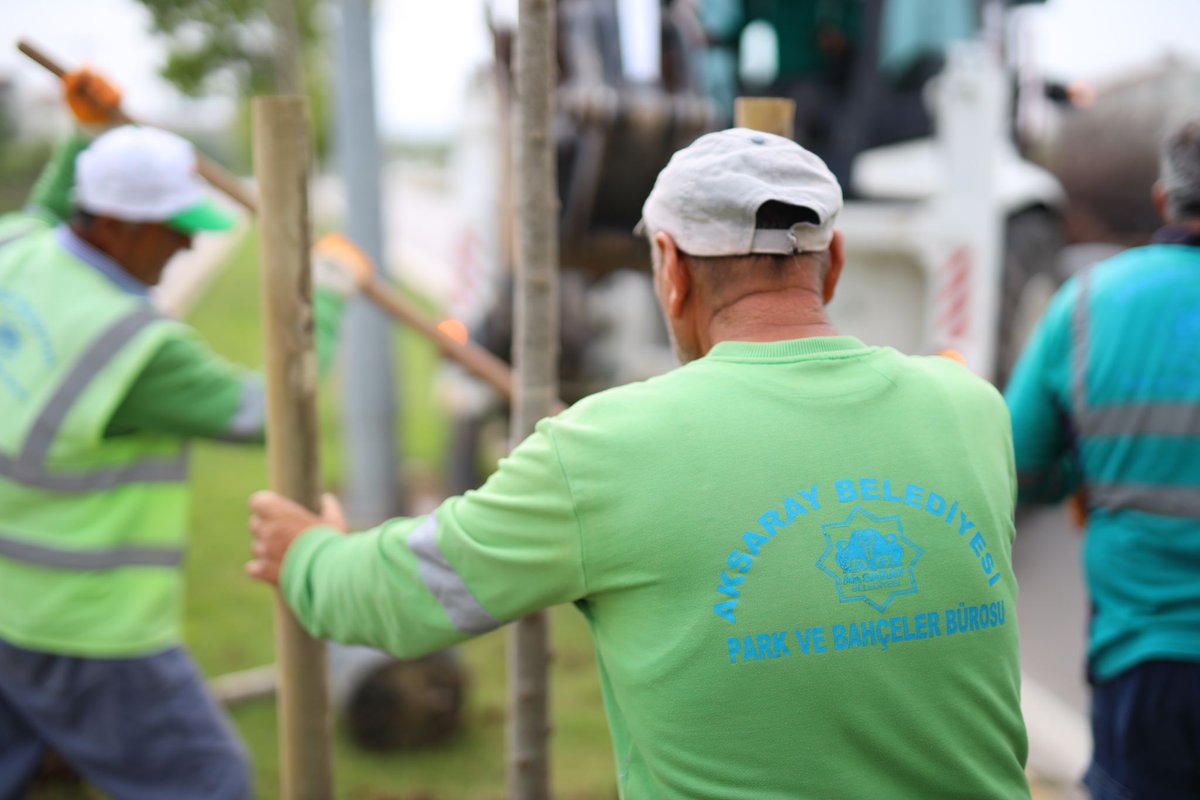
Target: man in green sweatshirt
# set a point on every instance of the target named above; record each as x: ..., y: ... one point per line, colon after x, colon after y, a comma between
x: 793, y: 551
x: 100, y: 395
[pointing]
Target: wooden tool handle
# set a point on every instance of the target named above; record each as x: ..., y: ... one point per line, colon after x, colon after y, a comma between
x: 216, y: 175
x: 474, y: 359
x: 52, y: 66
x: 471, y: 357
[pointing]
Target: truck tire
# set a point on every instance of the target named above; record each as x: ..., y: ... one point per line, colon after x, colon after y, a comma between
x: 1032, y: 241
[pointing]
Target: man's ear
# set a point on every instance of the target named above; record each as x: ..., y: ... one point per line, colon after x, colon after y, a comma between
x: 676, y: 280
x: 1159, y: 195
x: 837, y: 260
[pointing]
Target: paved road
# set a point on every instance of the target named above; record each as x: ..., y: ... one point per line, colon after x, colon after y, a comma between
x: 1053, y: 614
x: 1053, y: 606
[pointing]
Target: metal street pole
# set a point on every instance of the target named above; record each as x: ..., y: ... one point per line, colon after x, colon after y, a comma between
x: 369, y: 404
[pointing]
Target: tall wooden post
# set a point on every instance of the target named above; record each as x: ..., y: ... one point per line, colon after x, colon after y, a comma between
x: 282, y: 152
x: 535, y: 356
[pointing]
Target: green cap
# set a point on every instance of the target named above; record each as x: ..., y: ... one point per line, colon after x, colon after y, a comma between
x: 203, y: 216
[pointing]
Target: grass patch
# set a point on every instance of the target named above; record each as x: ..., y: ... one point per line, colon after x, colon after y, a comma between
x: 229, y: 618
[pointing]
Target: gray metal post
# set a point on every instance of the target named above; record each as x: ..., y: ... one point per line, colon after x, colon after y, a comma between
x: 369, y: 408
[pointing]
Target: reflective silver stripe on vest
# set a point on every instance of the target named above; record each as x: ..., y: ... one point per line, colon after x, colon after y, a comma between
x: 89, y: 560
x: 446, y: 584
x: 23, y: 232
x: 1128, y: 419
x: 29, y: 467
x: 1168, y: 501
x: 1141, y: 419
x: 148, y: 470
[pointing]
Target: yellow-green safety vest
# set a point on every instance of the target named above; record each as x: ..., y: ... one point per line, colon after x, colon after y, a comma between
x: 92, y: 528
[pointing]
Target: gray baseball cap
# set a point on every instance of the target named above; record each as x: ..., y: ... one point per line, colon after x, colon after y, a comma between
x: 709, y: 193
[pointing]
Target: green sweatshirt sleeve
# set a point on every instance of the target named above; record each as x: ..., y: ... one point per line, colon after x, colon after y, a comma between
x: 1038, y: 397
x: 413, y: 586
x: 188, y: 390
x: 51, y: 195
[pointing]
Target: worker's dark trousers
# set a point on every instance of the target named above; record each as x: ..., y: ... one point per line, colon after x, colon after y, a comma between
x: 1146, y: 729
x: 137, y: 729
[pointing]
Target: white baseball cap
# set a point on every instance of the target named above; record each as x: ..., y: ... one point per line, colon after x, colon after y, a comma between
x: 138, y: 174
x: 708, y: 195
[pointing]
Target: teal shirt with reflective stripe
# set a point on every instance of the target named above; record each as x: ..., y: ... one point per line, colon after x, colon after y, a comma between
x: 1107, y: 398
x: 795, y: 559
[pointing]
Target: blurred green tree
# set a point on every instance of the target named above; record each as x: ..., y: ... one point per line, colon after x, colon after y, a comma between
x: 242, y: 47
x: 214, y: 40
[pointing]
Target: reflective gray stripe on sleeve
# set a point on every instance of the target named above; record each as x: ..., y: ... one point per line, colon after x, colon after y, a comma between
x: 250, y: 420
x: 1169, y: 501
x: 29, y: 467
x: 89, y: 560
x: 1081, y: 335
x: 446, y: 584
x: 1141, y: 419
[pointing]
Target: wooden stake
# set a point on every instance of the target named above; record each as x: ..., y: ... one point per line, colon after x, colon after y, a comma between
x: 535, y: 358
x: 282, y: 152
x: 767, y: 114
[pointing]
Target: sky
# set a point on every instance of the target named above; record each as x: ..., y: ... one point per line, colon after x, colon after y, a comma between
x: 425, y: 51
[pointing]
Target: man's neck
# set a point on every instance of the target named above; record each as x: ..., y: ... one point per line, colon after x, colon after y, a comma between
x: 83, y: 234
x: 83, y: 248
x: 1180, y: 232
x: 770, y: 317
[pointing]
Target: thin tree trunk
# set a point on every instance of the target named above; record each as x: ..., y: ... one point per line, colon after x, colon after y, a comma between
x: 535, y: 356
x: 281, y: 159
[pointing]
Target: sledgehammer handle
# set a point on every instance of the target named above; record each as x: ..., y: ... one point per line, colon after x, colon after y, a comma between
x: 219, y: 177
x: 474, y: 358
x: 51, y: 66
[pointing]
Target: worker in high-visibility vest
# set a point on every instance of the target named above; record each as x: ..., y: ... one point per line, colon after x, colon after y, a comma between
x: 793, y: 551
x: 99, y: 394
x: 1106, y: 406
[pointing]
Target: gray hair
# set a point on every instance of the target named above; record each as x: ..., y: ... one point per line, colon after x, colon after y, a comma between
x: 1179, y: 172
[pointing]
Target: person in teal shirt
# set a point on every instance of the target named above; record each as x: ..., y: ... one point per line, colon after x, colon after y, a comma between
x: 1106, y: 401
x: 793, y: 551
x: 100, y: 394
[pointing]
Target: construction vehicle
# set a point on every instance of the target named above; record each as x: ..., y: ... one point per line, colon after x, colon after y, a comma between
x: 1124, y: 122
x: 951, y: 237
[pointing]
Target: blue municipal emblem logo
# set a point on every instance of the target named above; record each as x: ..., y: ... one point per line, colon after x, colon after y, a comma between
x: 25, y: 349
x: 870, y: 559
